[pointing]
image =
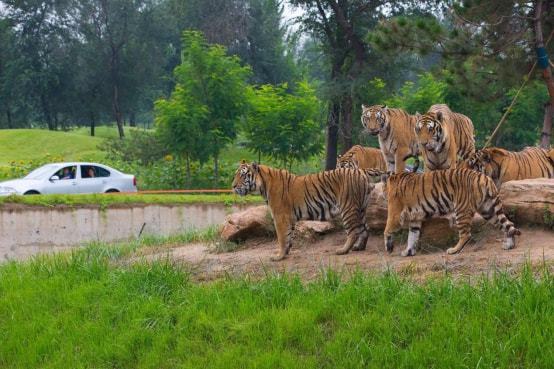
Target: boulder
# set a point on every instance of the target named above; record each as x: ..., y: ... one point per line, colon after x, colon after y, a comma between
x: 252, y: 222
x: 311, y: 229
x: 529, y: 201
x: 376, y: 213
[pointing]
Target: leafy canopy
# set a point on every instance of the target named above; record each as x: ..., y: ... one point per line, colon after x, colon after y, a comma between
x: 283, y: 125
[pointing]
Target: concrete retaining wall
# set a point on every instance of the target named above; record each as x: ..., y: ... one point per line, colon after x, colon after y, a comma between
x: 25, y: 231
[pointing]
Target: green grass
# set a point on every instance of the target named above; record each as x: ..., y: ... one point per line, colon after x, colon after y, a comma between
x: 35, y: 144
x: 89, y: 309
x: 102, y: 131
x: 106, y: 200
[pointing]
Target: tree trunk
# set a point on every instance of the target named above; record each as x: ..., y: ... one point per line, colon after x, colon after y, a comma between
x: 346, y: 116
x: 46, y: 113
x: 543, y: 64
x: 547, y: 126
x: 117, y: 111
x: 216, y: 171
x: 332, y: 136
x: 92, y: 124
x: 187, y: 159
x: 9, y: 118
x: 132, y: 121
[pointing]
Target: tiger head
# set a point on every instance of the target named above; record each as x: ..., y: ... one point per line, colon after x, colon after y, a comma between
x: 347, y: 161
x: 375, y: 118
x: 486, y: 161
x: 246, y: 179
x: 429, y: 130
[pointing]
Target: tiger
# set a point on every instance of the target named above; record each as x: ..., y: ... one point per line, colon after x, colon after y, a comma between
x: 503, y: 165
x: 453, y: 193
x: 319, y: 196
x: 359, y: 157
x: 442, y: 136
x: 396, y: 131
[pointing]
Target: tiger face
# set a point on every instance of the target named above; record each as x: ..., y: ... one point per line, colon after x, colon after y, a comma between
x: 481, y: 161
x: 347, y: 161
x: 375, y: 118
x: 429, y: 131
x: 246, y: 178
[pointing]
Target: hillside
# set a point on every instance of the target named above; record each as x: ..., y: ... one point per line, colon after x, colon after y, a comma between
x: 35, y: 144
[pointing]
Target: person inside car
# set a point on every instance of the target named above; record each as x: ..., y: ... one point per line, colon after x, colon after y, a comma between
x: 67, y: 173
x: 91, y: 173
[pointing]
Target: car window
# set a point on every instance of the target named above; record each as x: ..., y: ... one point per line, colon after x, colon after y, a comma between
x: 92, y: 171
x: 66, y: 172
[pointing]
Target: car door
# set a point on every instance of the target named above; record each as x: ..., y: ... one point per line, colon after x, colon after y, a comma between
x: 92, y: 179
x: 65, y: 183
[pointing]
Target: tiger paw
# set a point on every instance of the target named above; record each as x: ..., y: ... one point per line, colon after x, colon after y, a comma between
x: 408, y: 252
x: 452, y: 251
x: 278, y: 257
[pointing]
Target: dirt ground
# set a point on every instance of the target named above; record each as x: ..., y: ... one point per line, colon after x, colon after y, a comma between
x: 309, y: 258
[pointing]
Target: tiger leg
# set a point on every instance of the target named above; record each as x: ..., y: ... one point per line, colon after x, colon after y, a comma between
x: 463, y: 222
x: 361, y: 242
x: 400, y: 164
x: 413, y: 238
x: 283, y: 229
x: 289, y: 237
x: 492, y: 212
x: 393, y: 224
x: 354, y: 223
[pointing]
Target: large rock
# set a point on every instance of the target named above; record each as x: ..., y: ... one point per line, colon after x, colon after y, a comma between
x: 376, y: 213
x: 529, y: 201
x: 310, y: 230
x: 252, y: 222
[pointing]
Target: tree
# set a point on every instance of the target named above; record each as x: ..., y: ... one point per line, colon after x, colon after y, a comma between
x: 340, y: 28
x: 486, y: 46
x: 283, y: 125
x: 209, y: 100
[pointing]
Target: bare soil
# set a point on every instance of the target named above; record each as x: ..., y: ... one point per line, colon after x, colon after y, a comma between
x: 309, y: 258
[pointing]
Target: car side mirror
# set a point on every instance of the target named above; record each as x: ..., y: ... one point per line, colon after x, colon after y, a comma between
x: 54, y: 178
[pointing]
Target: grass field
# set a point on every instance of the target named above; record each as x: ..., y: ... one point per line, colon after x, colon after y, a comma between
x: 92, y: 309
x: 35, y: 144
x: 106, y: 200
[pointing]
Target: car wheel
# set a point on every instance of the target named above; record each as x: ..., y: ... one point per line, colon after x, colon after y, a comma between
x: 32, y: 192
x: 112, y: 190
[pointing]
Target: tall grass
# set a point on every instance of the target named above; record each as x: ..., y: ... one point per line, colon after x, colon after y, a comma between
x: 86, y: 310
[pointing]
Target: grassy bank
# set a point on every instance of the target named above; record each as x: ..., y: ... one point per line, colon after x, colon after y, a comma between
x: 106, y: 200
x: 89, y: 310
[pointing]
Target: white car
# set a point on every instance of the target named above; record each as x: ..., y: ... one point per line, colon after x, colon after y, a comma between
x: 68, y: 178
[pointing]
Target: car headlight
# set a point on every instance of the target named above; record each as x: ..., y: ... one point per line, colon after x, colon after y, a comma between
x: 7, y: 190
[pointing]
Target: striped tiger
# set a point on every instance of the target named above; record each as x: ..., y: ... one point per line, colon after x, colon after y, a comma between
x: 413, y: 198
x: 359, y: 157
x: 503, y: 165
x: 319, y: 196
x: 397, y: 138
x: 442, y: 136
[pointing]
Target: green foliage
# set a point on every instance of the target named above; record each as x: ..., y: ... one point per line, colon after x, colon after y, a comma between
x: 208, y: 101
x: 523, y: 125
x: 155, y: 317
x: 419, y: 96
x: 143, y: 147
x: 284, y: 125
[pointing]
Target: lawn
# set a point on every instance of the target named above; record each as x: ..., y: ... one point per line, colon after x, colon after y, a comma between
x: 92, y: 309
x: 35, y: 144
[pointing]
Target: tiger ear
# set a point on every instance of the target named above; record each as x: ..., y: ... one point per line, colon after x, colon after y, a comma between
x: 439, y: 116
x: 242, y: 162
x: 487, y: 157
x: 364, y: 107
x: 384, y: 106
x: 255, y: 166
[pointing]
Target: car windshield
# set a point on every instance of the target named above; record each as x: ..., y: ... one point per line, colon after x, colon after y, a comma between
x: 42, y: 171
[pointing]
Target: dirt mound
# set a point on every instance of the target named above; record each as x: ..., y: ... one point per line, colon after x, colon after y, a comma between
x: 309, y: 258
